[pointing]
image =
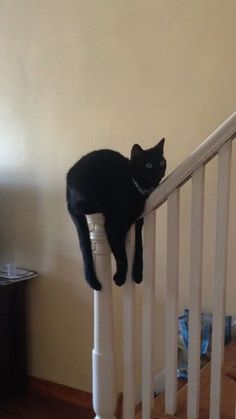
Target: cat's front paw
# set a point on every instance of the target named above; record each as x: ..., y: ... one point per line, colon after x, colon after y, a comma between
x: 137, y: 278
x: 137, y: 275
x: 119, y: 279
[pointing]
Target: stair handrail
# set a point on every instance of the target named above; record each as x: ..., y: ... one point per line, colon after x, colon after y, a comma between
x: 203, y: 153
x: 103, y: 353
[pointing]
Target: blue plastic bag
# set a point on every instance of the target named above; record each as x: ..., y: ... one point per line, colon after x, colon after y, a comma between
x: 206, y: 334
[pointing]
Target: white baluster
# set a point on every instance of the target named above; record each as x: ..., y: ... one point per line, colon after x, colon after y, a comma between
x: 104, y: 400
x: 171, y: 339
x: 195, y: 293
x: 129, y: 333
x: 220, y: 278
x: 149, y: 256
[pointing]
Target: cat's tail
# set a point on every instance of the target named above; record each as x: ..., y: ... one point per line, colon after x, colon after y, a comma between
x: 85, y: 245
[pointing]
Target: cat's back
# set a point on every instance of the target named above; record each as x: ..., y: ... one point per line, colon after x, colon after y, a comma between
x: 100, y: 163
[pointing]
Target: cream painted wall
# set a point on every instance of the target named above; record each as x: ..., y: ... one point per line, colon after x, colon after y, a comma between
x: 79, y: 75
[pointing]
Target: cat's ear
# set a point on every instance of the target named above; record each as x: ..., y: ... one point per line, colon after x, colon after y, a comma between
x: 160, y: 146
x: 136, y: 151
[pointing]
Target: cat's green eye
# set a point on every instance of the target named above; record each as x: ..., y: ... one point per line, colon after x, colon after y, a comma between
x: 162, y: 163
x: 149, y: 165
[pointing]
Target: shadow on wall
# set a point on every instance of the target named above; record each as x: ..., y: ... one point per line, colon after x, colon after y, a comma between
x: 36, y: 235
x: 32, y: 225
x: 21, y: 225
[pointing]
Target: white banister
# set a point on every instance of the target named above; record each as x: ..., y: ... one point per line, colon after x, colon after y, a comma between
x: 129, y: 333
x: 195, y: 293
x: 223, y: 196
x: 171, y: 339
x: 149, y: 256
x: 104, y: 398
x: 207, y: 150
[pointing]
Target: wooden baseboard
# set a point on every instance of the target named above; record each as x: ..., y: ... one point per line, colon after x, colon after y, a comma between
x: 61, y: 392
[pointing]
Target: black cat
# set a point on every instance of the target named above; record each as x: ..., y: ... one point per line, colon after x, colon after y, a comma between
x: 106, y: 182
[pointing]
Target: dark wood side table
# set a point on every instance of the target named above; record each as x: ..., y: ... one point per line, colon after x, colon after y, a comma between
x: 13, y: 367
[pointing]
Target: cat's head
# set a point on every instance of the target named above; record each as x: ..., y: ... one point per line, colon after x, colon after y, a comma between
x: 148, y: 166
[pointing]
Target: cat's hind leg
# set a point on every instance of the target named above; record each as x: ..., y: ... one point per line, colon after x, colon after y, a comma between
x: 75, y: 208
x: 85, y: 245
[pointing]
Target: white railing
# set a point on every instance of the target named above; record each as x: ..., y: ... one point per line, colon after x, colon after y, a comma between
x: 220, y: 142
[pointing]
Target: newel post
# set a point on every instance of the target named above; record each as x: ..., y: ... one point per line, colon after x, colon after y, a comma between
x: 104, y: 398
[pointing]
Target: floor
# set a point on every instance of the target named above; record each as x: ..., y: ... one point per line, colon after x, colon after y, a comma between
x: 228, y: 391
x: 35, y: 406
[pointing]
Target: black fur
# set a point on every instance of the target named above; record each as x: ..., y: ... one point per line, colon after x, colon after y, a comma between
x: 106, y: 182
